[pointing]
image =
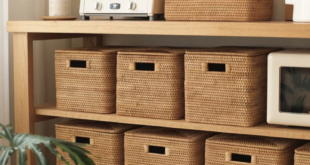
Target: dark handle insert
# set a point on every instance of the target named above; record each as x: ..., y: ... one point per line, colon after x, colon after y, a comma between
x: 213, y: 67
x: 78, y: 64
x: 241, y: 158
x: 157, y: 150
x: 83, y: 140
x: 145, y: 66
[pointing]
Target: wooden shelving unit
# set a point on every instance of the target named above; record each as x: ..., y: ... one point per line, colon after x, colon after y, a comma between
x: 263, y: 129
x: 26, y: 32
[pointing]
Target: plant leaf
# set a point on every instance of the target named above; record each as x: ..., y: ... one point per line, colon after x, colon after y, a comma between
x: 22, y: 156
x: 7, y: 132
x: 6, y: 154
x: 55, y: 152
x: 39, y: 155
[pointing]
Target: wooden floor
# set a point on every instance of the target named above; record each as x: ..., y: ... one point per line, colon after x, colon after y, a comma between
x: 263, y: 129
x: 279, y: 29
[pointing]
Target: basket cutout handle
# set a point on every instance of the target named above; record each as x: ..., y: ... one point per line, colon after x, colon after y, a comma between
x: 144, y: 66
x: 234, y: 157
x: 83, y: 140
x: 215, y: 67
x: 157, y: 150
x: 78, y: 64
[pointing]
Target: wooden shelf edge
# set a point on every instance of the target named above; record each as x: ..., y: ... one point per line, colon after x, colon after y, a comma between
x: 276, y: 29
x: 263, y: 129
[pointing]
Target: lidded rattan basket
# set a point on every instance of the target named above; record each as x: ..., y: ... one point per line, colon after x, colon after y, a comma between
x: 150, y: 83
x: 165, y: 146
x: 106, y: 140
x: 86, y: 79
x: 302, y: 155
x: 219, y: 10
x: 228, y: 149
x: 226, y: 85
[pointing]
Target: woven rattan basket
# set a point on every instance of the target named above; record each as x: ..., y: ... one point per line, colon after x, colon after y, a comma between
x: 150, y: 83
x: 226, y: 85
x: 86, y: 79
x: 106, y: 140
x: 164, y: 146
x: 219, y: 10
x: 227, y: 149
x: 302, y: 155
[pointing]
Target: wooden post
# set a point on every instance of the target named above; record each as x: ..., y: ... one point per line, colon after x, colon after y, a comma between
x: 24, y: 86
x: 93, y: 41
x: 289, y: 12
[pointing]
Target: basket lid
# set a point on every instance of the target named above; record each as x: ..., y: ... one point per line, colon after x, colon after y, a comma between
x: 158, y: 51
x: 169, y: 134
x: 93, y: 50
x: 303, y: 150
x: 233, y: 51
x: 97, y: 126
x: 252, y: 141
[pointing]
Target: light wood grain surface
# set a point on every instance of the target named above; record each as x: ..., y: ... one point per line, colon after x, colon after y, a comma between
x: 24, y: 86
x: 263, y: 129
x: 279, y: 29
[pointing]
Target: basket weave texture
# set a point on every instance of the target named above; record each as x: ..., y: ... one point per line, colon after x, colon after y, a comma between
x: 91, y: 89
x: 106, y: 139
x: 302, y: 155
x: 221, y: 149
x: 182, y: 147
x: 219, y: 10
x: 158, y: 93
x: 235, y: 96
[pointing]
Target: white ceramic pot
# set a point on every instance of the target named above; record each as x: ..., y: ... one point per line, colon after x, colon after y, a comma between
x: 301, y: 10
x: 59, y: 7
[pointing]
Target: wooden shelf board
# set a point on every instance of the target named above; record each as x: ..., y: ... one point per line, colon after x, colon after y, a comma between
x: 278, y: 29
x: 264, y: 129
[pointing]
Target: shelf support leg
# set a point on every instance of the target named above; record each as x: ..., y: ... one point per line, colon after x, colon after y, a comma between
x: 92, y: 41
x: 24, y: 86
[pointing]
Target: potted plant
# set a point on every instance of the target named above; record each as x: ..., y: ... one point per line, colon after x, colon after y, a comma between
x: 20, y: 142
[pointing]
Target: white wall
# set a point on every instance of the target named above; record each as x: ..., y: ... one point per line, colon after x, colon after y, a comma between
x: 4, y: 69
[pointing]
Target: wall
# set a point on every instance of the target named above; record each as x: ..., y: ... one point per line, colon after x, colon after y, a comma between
x: 4, y: 70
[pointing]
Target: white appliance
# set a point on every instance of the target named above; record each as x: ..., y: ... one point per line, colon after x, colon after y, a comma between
x: 289, y: 88
x: 125, y: 8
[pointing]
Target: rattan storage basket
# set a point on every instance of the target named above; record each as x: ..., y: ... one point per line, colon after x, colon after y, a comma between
x: 302, y: 155
x: 164, y: 146
x: 86, y: 79
x: 226, y: 85
x: 106, y: 140
x: 228, y: 149
x: 150, y: 83
x: 219, y: 10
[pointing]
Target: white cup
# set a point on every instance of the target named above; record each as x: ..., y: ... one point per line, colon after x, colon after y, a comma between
x: 301, y: 10
x: 59, y: 7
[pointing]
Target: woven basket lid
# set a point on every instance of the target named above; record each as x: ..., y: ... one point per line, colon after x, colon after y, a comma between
x: 169, y: 134
x: 303, y: 150
x: 157, y: 51
x: 93, y: 50
x: 252, y: 141
x: 97, y: 126
x: 233, y: 51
